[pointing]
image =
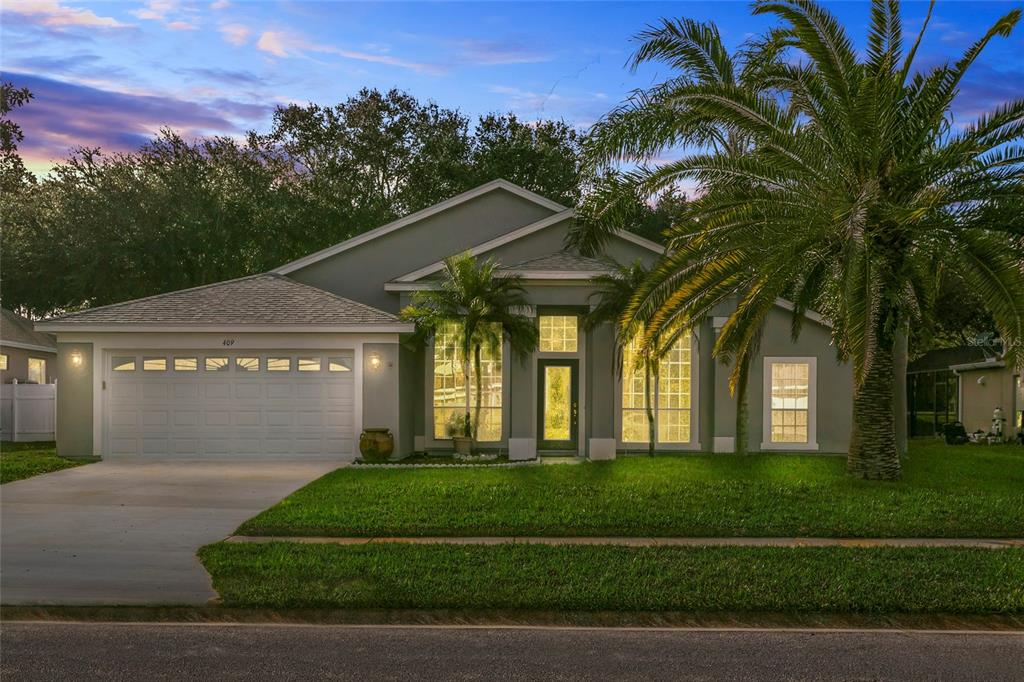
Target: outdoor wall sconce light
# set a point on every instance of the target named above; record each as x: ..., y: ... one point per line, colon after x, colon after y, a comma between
x: 374, y: 361
x: 76, y: 358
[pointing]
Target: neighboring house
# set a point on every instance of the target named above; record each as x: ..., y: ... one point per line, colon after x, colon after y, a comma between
x: 963, y: 384
x: 28, y: 356
x: 296, y: 361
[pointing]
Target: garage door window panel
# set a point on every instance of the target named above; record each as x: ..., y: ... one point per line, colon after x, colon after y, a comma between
x: 247, y: 364
x: 339, y: 365
x: 217, y: 364
x: 154, y: 364
x: 309, y: 364
x: 123, y: 364
x: 278, y: 364
x: 186, y: 364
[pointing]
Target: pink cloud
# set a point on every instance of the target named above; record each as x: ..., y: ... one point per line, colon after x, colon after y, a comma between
x: 236, y: 34
x: 285, y: 44
x: 156, y: 10
x: 278, y: 44
x: 53, y: 14
x: 163, y: 11
x: 65, y: 115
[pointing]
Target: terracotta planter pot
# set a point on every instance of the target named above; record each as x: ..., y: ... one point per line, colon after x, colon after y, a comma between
x: 463, y: 445
x: 376, y: 445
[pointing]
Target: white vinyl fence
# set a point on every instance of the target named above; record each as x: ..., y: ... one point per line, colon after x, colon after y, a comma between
x: 28, y: 412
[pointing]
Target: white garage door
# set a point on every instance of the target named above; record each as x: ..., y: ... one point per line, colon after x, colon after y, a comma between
x: 268, y: 403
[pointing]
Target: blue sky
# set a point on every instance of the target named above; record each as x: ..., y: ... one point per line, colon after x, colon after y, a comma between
x: 109, y: 74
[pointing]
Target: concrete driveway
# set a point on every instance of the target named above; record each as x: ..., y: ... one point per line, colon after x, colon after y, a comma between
x: 126, y: 532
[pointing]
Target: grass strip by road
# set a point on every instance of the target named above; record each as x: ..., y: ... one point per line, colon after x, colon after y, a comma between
x: 24, y: 460
x: 988, y: 543
x: 618, y: 579
x: 946, y: 491
x: 1006, y: 623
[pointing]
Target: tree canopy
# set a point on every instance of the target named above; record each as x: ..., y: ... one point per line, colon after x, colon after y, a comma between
x: 102, y: 228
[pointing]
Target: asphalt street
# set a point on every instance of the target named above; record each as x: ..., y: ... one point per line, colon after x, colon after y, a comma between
x: 100, y: 651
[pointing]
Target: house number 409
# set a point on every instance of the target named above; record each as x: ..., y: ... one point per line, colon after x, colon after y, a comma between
x: 228, y: 342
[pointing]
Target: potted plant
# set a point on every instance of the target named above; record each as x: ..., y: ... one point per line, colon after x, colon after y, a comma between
x: 458, y: 429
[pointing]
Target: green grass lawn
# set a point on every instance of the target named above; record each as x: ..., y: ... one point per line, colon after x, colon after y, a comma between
x: 966, y: 491
x: 24, y: 460
x: 604, y: 578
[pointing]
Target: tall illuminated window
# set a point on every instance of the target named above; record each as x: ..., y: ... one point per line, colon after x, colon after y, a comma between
x: 789, y: 403
x: 449, y: 395
x: 789, y: 397
x: 634, y: 397
x: 674, y: 374
x: 671, y: 390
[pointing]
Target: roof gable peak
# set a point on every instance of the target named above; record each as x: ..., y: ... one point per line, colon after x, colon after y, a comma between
x: 486, y: 188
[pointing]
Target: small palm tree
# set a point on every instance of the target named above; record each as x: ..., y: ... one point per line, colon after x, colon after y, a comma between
x: 487, y: 308
x: 614, y: 293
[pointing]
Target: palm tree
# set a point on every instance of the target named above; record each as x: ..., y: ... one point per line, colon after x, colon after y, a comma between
x: 614, y: 292
x: 487, y: 308
x: 857, y: 197
x: 655, y: 120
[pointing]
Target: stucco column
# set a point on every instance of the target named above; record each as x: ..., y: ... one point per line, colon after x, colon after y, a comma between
x: 381, y: 392
x: 522, y: 441
x: 74, y: 400
x: 600, y: 397
x: 723, y: 438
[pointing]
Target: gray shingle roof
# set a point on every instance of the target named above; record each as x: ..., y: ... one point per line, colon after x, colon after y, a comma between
x: 16, y: 329
x: 562, y: 261
x: 266, y: 299
x: 944, y: 358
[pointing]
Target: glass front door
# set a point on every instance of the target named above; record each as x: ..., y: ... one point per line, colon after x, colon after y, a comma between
x: 558, y: 404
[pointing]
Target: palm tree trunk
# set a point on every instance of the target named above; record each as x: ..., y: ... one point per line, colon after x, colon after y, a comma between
x: 465, y: 382
x: 873, y: 451
x: 900, y: 402
x: 742, y: 409
x: 479, y: 386
x: 649, y: 403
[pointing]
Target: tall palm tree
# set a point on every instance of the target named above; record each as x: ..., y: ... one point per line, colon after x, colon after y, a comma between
x: 613, y: 294
x: 486, y: 307
x: 656, y: 120
x: 857, y: 196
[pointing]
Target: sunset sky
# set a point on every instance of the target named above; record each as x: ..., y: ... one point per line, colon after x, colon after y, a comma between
x: 108, y: 74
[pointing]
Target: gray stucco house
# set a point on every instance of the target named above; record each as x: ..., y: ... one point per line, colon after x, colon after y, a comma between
x: 26, y: 356
x: 296, y: 361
